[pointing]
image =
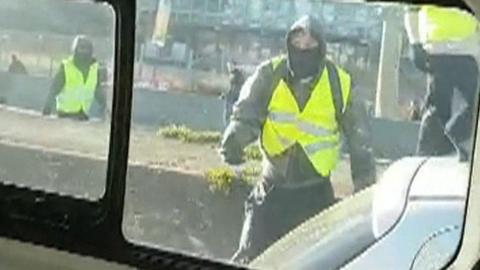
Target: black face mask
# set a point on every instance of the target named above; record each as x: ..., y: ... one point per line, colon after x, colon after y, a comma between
x: 82, y: 59
x: 305, y: 63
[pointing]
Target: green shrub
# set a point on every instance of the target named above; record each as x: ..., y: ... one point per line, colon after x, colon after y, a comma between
x: 252, y: 152
x: 185, y: 134
x: 250, y: 175
x: 221, y: 179
x: 173, y: 132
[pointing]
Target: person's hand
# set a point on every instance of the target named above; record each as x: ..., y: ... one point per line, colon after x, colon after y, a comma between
x: 232, y: 156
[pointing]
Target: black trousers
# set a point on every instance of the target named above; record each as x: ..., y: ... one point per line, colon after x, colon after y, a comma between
x: 443, y: 129
x: 81, y: 116
x: 271, y: 212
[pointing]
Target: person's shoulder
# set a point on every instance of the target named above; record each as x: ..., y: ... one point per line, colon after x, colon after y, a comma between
x: 96, y: 63
x: 257, y: 85
x: 61, y: 67
x: 271, y: 64
x: 340, y: 69
x: 278, y: 60
x: 66, y: 61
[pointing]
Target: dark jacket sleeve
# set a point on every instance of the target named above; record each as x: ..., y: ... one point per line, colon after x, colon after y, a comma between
x: 100, y: 94
x: 249, y: 113
x: 420, y: 58
x: 55, y: 88
x: 357, y: 130
x: 236, y: 84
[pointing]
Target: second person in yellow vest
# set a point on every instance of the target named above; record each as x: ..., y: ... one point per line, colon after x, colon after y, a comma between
x: 299, y: 106
x: 446, y: 45
x: 77, y: 84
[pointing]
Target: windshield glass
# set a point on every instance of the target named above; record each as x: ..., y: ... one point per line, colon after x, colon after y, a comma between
x: 253, y: 117
x: 55, y: 87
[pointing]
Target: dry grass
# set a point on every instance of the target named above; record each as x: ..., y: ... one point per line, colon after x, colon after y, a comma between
x: 187, y: 135
x: 221, y: 179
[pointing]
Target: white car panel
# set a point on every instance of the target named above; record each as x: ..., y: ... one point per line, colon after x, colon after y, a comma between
x: 441, y: 177
x: 398, y: 248
x: 390, y: 197
x: 435, y: 205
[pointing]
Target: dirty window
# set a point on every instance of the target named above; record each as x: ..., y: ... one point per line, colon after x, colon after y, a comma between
x: 234, y: 144
x: 56, y: 60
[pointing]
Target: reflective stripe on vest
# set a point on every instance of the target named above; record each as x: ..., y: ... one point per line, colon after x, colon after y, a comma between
x: 77, y: 94
x: 313, y: 148
x: 283, y: 117
x: 437, y: 24
x: 314, y: 128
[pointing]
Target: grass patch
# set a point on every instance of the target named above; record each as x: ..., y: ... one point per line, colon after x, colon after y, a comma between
x: 221, y: 179
x: 252, y: 152
x: 185, y: 134
x: 250, y: 175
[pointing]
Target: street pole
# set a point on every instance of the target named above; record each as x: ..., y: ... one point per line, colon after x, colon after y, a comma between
x: 386, y: 104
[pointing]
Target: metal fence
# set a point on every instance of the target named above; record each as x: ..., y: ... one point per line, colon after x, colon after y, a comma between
x: 42, y: 52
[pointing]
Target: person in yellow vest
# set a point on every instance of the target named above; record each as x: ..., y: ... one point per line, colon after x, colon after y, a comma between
x: 445, y: 44
x: 299, y: 106
x: 77, y: 84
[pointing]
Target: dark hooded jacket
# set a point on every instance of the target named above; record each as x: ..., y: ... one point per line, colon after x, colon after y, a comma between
x: 293, y: 168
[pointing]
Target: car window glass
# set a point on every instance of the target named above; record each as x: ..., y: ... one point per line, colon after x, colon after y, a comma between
x: 238, y: 136
x: 56, y: 60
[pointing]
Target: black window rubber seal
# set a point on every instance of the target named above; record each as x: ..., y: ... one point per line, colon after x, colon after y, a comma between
x: 95, y: 228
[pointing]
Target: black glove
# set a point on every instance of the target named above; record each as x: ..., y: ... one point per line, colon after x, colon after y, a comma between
x: 420, y: 57
x: 232, y: 155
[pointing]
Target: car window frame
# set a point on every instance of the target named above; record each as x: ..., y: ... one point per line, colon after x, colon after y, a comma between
x: 98, y: 232
x: 94, y: 228
x: 468, y: 250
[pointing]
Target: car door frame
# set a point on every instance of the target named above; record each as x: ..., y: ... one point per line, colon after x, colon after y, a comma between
x: 95, y: 228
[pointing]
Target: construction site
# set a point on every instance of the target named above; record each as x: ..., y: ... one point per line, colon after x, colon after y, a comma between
x: 180, y: 195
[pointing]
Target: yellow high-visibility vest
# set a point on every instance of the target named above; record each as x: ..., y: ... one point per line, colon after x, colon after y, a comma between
x: 315, y: 128
x: 78, y: 93
x: 438, y: 24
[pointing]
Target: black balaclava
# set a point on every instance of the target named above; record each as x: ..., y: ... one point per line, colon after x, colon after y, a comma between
x: 82, y: 51
x: 307, y: 62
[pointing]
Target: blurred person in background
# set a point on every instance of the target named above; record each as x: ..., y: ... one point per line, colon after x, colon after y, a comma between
x: 16, y: 66
x: 236, y: 78
x: 414, y: 113
x: 445, y: 44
